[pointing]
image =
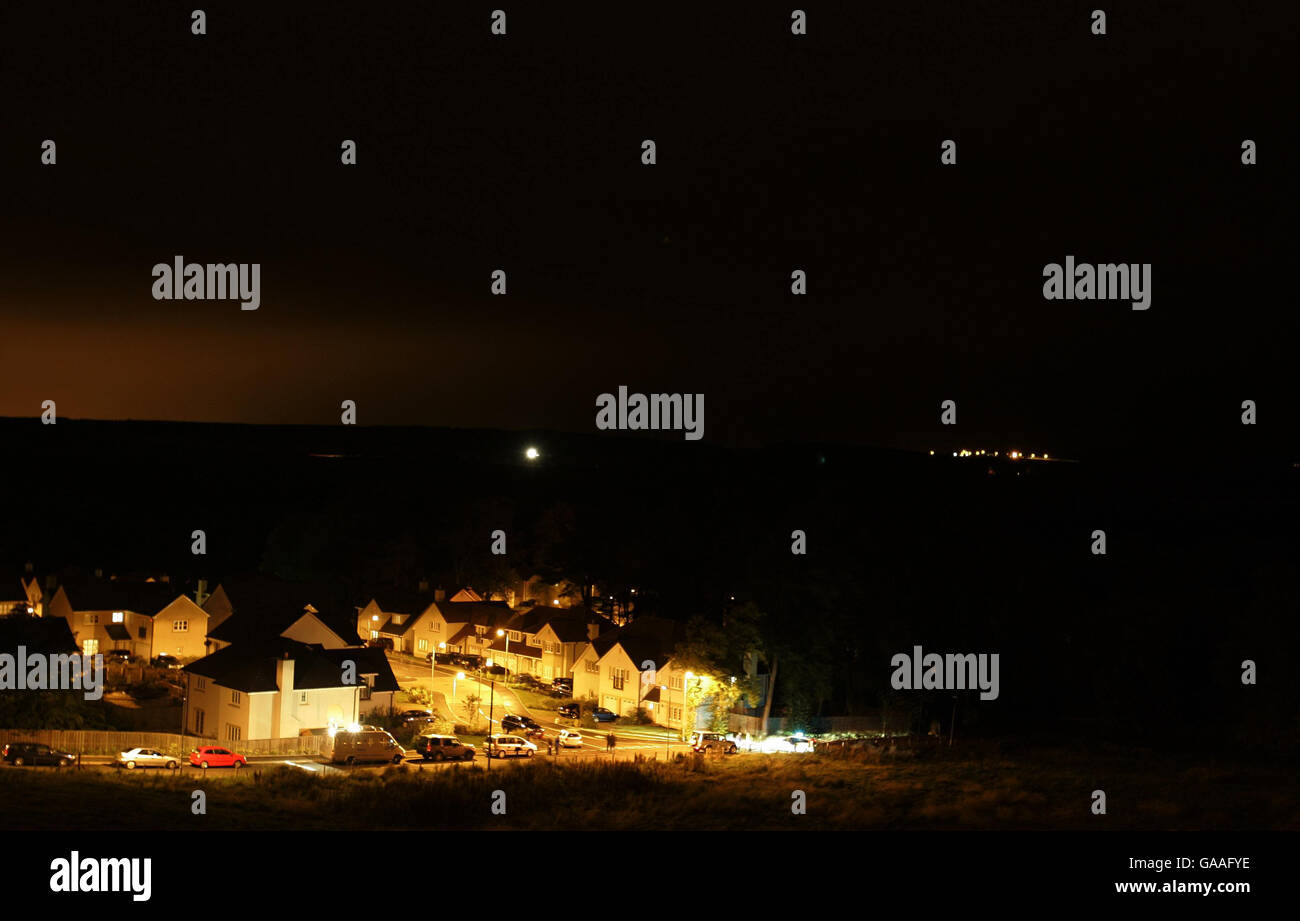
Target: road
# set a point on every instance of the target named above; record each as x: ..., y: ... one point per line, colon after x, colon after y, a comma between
x: 496, y: 702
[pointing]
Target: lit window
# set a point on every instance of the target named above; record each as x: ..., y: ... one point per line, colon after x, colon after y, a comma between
x: 118, y: 617
x: 424, y: 645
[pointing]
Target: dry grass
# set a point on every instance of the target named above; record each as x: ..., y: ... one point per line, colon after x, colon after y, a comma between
x: 917, y: 789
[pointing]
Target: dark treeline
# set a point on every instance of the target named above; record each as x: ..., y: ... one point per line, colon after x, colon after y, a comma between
x: 958, y: 555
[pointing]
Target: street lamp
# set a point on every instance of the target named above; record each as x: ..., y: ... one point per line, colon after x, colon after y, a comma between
x: 685, y: 678
x: 501, y: 632
x: 663, y: 699
x: 491, y: 703
x: 433, y: 671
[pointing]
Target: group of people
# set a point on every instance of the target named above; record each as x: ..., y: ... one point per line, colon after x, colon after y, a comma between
x: 553, y: 744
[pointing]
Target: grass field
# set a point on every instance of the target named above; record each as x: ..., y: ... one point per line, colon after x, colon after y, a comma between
x: 926, y: 789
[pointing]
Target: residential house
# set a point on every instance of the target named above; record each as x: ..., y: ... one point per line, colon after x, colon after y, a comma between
x: 393, y: 614
x: 145, y: 619
x: 563, y: 634
x: 633, y: 666
x: 275, y: 688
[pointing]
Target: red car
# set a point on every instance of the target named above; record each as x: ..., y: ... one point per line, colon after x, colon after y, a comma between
x: 206, y: 756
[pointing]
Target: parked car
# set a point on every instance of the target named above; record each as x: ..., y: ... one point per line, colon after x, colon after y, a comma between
x: 570, y: 739
x: 522, y: 724
x: 166, y: 661
x: 531, y: 681
x: 116, y: 657
x: 563, y: 684
x: 504, y: 746
x: 569, y: 711
x: 499, y: 670
x: 712, y: 742
x: 145, y: 757
x: 602, y: 715
x: 463, y: 661
x: 415, y: 716
x: 383, y: 642
x: 206, y: 756
x: 20, y: 753
x: 443, y: 748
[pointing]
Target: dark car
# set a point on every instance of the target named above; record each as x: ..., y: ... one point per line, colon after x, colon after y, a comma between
x: 602, y: 715
x: 461, y: 660
x: 569, y: 711
x: 166, y: 661
x: 524, y: 725
x: 411, y: 717
x: 530, y: 681
x: 18, y: 753
x: 499, y: 670
x: 383, y: 642
x: 443, y: 748
x: 119, y: 656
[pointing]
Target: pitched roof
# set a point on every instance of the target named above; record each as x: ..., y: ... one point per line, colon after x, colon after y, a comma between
x: 44, y: 635
x: 251, y: 667
x: 646, y: 638
x: 480, y: 613
x: 146, y: 598
x: 401, y: 601
x: 263, y: 607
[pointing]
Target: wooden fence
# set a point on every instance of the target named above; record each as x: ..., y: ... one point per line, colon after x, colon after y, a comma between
x: 875, y: 722
x: 100, y: 742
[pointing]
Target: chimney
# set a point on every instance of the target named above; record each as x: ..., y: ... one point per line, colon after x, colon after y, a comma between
x: 424, y: 586
x: 284, y: 674
x: 439, y: 595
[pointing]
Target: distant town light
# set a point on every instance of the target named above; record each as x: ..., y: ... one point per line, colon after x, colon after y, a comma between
x: 532, y: 454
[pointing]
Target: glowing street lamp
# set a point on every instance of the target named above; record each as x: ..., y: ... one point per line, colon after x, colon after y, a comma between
x: 685, y: 679
x: 501, y: 632
x: 532, y: 453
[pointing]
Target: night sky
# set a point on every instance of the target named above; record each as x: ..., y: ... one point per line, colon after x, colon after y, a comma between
x: 775, y: 152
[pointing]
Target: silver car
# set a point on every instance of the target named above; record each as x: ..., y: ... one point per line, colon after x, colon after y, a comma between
x: 146, y: 757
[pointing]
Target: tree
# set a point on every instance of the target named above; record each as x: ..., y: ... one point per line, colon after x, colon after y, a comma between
x: 470, y: 705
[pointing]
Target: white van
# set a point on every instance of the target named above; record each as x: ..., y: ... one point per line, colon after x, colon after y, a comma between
x: 503, y: 746
x: 364, y: 746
